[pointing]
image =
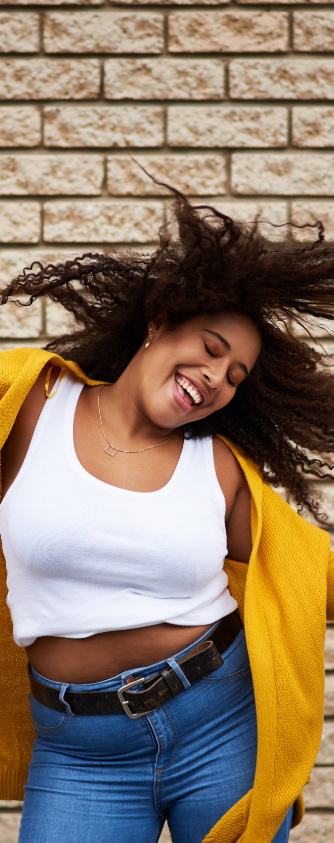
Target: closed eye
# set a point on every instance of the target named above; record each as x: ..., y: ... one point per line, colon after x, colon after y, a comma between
x: 209, y: 352
x: 230, y: 382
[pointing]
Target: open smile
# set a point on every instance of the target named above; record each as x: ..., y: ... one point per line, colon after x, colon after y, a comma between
x: 187, y: 394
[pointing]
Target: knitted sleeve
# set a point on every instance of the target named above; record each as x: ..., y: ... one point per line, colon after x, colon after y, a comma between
x: 330, y: 587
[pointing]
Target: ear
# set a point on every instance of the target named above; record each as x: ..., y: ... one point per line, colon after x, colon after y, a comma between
x: 155, y: 325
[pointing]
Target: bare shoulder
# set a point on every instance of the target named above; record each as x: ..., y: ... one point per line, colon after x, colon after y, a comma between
x: 17, y: 444
x: 230, y: 476
x: 238, y: 502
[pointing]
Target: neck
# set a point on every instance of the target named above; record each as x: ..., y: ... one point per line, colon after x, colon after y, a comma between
x: 124, y: 419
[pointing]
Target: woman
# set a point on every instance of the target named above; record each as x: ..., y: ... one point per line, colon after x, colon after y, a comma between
x: 120, y: 503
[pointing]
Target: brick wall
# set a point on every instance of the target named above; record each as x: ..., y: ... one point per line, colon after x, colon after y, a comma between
x: 233, y: 102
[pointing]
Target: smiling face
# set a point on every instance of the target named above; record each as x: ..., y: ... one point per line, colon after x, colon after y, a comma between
x: 193, y: 370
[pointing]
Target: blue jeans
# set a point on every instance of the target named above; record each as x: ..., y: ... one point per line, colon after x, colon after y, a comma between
x: 109, y: 779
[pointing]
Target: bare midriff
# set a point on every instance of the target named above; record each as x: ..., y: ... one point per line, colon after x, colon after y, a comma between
x: 101, y: 656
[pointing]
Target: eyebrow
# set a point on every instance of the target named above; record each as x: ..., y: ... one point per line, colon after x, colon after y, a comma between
x: 226, y: 345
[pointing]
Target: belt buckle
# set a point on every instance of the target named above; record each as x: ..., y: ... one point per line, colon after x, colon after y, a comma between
x: 125, y: 703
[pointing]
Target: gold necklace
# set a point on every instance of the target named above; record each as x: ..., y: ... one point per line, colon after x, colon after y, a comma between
x: 109, y: 445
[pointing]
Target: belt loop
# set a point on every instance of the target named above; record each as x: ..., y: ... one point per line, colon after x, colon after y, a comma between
x: 179, y: 672
x: 62, y: 700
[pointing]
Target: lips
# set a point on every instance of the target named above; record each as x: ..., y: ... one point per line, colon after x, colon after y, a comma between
x: 187, y: 393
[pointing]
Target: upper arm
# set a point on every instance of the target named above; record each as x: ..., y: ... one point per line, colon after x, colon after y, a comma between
x: 238, y: 502
x: 16, y: 446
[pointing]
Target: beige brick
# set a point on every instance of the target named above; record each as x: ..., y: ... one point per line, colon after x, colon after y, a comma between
x: 6, y: 344
x: 19, y: 32
x: 20, y: 125
x: 19, y: 222
x: 53, y: 3
x: 319, y: 792
x: 298, y: 78
x: 313, y: 126
x: 318, y: 328
x: 327, y: 490
x: 98, y: 222
x: 103, y: 32
x: 39, y: 78
x: 286, y: 2
x: 193, y: 174
x: 9, y: 827
x: 314, y: 828
x: 246, y: 211
x: 92, y: 125
x: 13, y: 261
x: 171, y: 2
x: 326, y: 751
x: 164, y: 78
x: 224, y: 126
x: 314, y: 31
x: 58, y: 321
x: 329, y: 646
x: 310, y: 212
x: 329, y: 695
x: 50, y: 174
x: 10, y: 803
x: 21, y: 322
x: 228, y: 31
x: 283, y: 173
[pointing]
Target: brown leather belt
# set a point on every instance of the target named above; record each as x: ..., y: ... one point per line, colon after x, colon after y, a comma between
x: 158, y: 689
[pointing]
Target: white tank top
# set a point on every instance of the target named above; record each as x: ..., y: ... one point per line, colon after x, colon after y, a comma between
x: 85, y: 557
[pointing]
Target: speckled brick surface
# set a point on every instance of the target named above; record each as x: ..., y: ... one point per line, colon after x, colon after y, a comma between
x: 233, y: 101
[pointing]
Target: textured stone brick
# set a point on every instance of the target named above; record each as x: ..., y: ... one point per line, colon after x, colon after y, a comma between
x: 126, y: 125
x: 19, y: 222
x: 314, y: 828
x: 327, y: 490
x: 50, y: 174
x: 9, y: 827
x: 329, y: 695
x: 20, y: 125
x: 10, y: 803
x: 313, y: 126
x: 283, y: 173
x: 103, y: 32
x: 314, y: 31
x: 98, y: 222
x: 215, y: 125
x: 39, y: 78
x: 57, y: 321
x: 246, y: 211
x: 19, y: 32
x: 329, y: 646
x: 310, y: 212
x: 326, y: 751
x: 228, y: 31
x: 13, y: 261
x: 319, y: 792
x: 193, y: 174
x: 21, y: 322
x: 53, y: 2
x: 292, y: 78
x: 164, y: 78
x: 317, y: 328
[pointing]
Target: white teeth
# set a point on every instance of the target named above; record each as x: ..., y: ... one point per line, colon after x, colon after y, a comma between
x: 197, y: 398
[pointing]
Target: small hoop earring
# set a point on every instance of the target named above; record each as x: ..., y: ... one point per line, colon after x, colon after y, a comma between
x: 150, y: 339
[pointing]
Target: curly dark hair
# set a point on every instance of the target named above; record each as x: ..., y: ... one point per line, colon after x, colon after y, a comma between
x: 282, y: 415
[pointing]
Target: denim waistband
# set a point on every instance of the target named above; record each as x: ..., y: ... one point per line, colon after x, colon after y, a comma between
x: 116, y: 682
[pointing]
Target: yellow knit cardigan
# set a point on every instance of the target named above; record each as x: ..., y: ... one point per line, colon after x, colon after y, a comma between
x: 282, y: 596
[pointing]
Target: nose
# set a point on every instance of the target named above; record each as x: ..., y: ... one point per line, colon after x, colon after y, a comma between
x: 217, y: 375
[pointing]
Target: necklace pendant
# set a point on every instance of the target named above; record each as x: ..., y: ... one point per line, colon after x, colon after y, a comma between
x: 108, y: 452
